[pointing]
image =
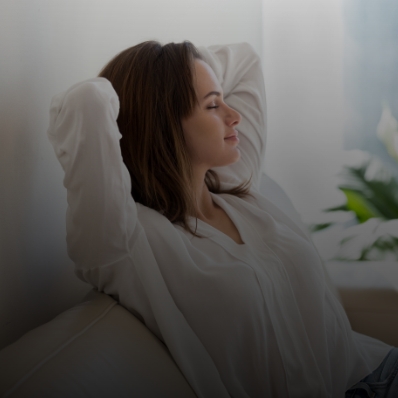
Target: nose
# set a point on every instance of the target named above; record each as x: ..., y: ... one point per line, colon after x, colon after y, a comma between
x: 233, y: 117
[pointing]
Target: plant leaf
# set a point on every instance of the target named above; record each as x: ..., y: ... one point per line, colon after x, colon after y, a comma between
x: 337, y: 208
x: 319, y: 227
x: 360, y: 205
x: 382, y: 195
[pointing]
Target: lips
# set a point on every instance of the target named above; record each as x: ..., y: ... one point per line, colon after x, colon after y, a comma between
x: 232, y: 136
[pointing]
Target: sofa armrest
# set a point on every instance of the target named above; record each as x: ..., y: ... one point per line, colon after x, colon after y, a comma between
x: 95, y: 349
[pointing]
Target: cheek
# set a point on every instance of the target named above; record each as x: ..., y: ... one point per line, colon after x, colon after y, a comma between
x: 194, y: 142
x: 195, y: 131
x: 203, y: 135
x: 202, y: 147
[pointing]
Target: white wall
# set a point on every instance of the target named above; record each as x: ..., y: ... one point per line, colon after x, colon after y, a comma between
x: 46, y: 46
x: 303, y: 71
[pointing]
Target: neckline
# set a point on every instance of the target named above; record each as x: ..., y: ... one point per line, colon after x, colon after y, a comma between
x: 219, y: 234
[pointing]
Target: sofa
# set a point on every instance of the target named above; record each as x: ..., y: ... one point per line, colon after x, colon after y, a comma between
x: 99, y: 349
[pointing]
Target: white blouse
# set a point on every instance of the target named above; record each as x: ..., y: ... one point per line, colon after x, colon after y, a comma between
x: 250, y: 320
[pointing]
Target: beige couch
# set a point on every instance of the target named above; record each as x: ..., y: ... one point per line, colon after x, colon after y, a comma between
x: 98, y: 349
x: 95, y: 349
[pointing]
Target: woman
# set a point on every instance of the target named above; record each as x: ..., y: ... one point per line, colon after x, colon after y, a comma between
x: 165, y: 222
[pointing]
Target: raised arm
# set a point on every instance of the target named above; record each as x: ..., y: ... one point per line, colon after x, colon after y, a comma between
x: 238, y: 69
x: 101, y: 215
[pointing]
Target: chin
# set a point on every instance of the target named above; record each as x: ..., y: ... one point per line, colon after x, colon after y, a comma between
x: 234, y: 160
x: 231, y: 159
x: 237, y: 156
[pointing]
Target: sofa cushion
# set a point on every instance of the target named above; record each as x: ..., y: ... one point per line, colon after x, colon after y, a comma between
x: 95, y: 349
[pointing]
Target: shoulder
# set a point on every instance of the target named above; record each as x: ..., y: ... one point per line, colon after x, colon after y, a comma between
x: 152, y: 220
x: 162, y: 234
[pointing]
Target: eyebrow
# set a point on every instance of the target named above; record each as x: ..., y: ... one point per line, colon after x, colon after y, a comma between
x: 212, y: 93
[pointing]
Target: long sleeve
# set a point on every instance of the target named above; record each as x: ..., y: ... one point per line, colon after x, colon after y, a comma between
x: 101, y: 216
x: 238, y: 69
x: 123, y: 248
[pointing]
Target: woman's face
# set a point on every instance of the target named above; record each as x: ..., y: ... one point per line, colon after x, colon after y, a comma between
x: 212, y: 121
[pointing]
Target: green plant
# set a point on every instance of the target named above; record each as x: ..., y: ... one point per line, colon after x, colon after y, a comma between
x: 373, y: 201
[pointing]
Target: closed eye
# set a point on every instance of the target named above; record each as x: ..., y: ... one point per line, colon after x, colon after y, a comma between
x: 212, y: 107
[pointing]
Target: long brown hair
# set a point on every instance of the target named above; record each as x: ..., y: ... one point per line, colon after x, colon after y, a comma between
x: 155, y: 88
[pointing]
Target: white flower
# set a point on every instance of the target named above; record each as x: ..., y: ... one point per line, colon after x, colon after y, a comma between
x: 354, y: 157
x: 389, y: 227
x: 358, y: 237
x: 362, y: 236
x: 387, y: 131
